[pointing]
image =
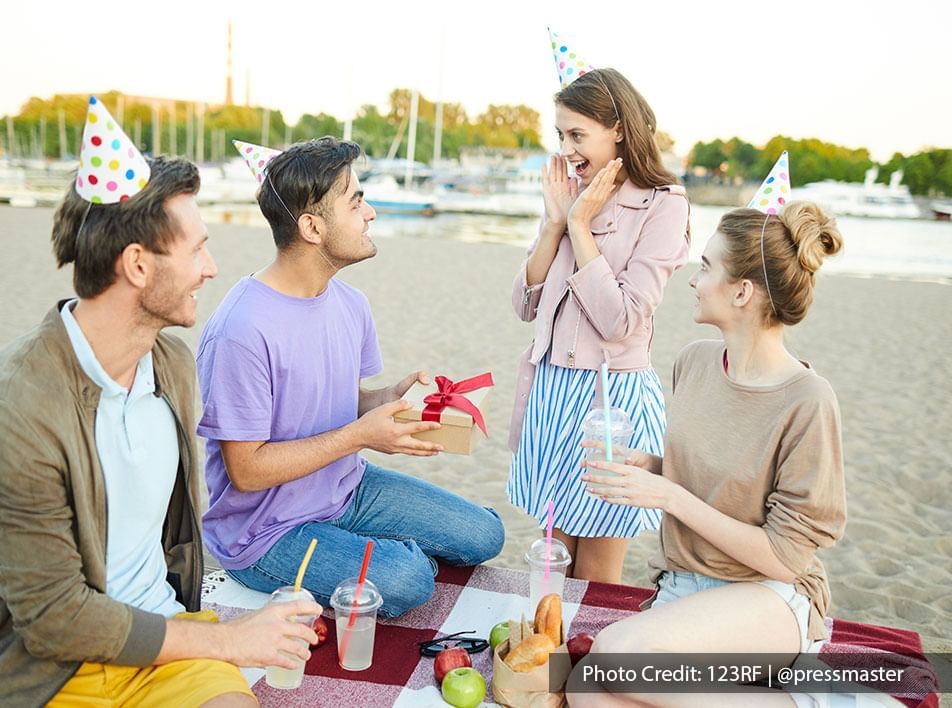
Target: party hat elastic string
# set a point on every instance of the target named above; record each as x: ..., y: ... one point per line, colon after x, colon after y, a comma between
x: 763, y: 259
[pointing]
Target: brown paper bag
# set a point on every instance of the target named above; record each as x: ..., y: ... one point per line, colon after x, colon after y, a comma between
x: 528, y: 689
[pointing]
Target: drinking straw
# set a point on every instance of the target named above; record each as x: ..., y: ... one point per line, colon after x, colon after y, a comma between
x: 353, y: 610
x: 548, y: 540
x: 303, y: 566
x: 608, y: 413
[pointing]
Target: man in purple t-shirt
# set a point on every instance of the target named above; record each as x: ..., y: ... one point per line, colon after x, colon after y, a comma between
x: 280, y: 363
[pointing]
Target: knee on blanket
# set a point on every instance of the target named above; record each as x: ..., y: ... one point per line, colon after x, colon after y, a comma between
x: 406, y: 585
x: 491, y: 534
x: 481, y: 537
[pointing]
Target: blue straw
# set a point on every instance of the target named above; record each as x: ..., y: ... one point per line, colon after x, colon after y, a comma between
x: 608, y: 413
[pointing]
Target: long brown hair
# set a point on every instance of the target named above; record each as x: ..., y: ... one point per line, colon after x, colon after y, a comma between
x: 608, y: 97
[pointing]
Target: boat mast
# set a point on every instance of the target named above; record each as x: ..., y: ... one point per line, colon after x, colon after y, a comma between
x: 438, y: 132
x: 348, y: 110
x: 411, y: 138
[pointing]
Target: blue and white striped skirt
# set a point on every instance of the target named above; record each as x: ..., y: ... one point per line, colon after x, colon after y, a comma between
x: 548, y: 463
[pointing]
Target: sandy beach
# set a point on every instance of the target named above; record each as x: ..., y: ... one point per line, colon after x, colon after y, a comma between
x: 444, y: 306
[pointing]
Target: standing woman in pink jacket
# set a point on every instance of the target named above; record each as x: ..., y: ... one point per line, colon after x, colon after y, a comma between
x: 611, y: 237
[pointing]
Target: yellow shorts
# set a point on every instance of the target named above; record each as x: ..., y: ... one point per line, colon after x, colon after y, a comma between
x: 190, y: 682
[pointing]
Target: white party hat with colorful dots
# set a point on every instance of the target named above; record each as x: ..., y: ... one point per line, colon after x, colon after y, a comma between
x: 110, y: 167
x: 257, y: 157
x: 776, y: 189
x: 567, y: 62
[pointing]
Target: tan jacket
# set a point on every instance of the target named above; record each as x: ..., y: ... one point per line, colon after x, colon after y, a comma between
x: 604, y: 311
x: 54, y: 613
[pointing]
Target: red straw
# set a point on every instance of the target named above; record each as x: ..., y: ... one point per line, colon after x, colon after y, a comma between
x: 548, y: 540
x: 368, y: 551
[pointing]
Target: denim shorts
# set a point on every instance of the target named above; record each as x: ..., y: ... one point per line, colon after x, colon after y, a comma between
x: 674, y: 584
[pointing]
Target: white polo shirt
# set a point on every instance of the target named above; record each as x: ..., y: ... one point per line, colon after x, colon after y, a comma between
x: 138, y: 450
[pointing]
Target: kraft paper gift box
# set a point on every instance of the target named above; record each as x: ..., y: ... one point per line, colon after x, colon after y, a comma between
x: 455, y: 405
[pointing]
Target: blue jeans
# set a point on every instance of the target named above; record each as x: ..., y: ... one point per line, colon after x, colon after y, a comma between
x: 410, y: 521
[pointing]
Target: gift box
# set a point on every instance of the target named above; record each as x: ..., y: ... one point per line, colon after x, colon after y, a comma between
x: 455, y: 405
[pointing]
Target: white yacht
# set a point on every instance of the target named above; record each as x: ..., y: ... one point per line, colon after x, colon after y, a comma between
x: 892, y: 201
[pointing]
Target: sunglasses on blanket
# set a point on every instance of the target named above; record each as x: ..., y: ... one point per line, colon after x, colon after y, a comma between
x: 436, y: 645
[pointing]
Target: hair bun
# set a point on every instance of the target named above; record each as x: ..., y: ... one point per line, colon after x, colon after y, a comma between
x: 814, y: 233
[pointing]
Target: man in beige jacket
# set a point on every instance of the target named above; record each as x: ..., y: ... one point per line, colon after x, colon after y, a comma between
x: 100, y: 546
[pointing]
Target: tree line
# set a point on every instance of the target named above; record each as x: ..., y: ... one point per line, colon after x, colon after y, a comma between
x: 52, y: 128
x: 927, y: 172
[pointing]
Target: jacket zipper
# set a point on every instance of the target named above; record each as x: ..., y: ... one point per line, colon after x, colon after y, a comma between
x: 525, y: 303
x: 578, y: 323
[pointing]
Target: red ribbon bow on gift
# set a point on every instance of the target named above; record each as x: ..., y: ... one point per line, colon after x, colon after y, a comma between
x: 449, y: 394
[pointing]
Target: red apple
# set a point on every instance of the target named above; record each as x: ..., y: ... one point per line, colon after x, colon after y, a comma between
x: 579, y: 645
x: 450, y: 659
x: 320, y: 628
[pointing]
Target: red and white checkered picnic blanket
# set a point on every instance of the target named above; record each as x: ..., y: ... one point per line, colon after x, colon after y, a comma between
x: 476, y: 599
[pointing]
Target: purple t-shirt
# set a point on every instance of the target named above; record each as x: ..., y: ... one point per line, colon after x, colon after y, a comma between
x: 275, y: 367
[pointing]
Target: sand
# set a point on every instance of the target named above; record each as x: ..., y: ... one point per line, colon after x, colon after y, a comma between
x: 443, y: 306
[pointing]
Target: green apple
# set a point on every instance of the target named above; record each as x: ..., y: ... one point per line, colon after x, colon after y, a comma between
x: 464, y: 688
x: 498, y: 634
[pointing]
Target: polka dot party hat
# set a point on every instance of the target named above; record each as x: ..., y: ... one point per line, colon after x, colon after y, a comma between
x: 569, y: 64
x: 257, y: 157
x: 110, y: 167
x: 776, y: 190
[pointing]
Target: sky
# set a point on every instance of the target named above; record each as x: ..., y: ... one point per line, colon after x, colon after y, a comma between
x: 861, y: 74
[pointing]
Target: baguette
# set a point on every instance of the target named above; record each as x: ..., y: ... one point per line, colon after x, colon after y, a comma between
x: 532, y: 652
x: 548, y: 618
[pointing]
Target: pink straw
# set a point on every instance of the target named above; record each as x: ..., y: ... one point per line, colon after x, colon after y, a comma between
x: 368, y: 551
x: 548, y: 539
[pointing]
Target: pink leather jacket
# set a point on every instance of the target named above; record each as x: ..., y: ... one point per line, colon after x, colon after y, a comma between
x: 604, y: 311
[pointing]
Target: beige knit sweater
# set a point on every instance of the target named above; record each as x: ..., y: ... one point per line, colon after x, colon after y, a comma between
x: 769, y: 456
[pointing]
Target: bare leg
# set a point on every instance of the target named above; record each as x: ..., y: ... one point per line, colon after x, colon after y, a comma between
x: 600, y: 559
x: 741, y: 618
x: 571, y: 544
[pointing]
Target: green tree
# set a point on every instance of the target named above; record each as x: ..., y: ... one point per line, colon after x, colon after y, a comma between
x: 373, y: 131
x: 311, y: 126
x: 886, y: 169
x: 499, y: 126
x: 943, y: 176
x: 812, y: 160
x: 741, y: 157
x: 919, y: 172
x: 708, y: 155
x: 510, y: 126
x: 925, y: 172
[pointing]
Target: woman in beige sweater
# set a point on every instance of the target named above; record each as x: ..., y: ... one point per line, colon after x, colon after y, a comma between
x: 751, y: 482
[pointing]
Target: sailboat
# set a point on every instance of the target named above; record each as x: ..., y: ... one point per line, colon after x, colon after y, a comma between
x: 387, y: 197
x: 382, y: 191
